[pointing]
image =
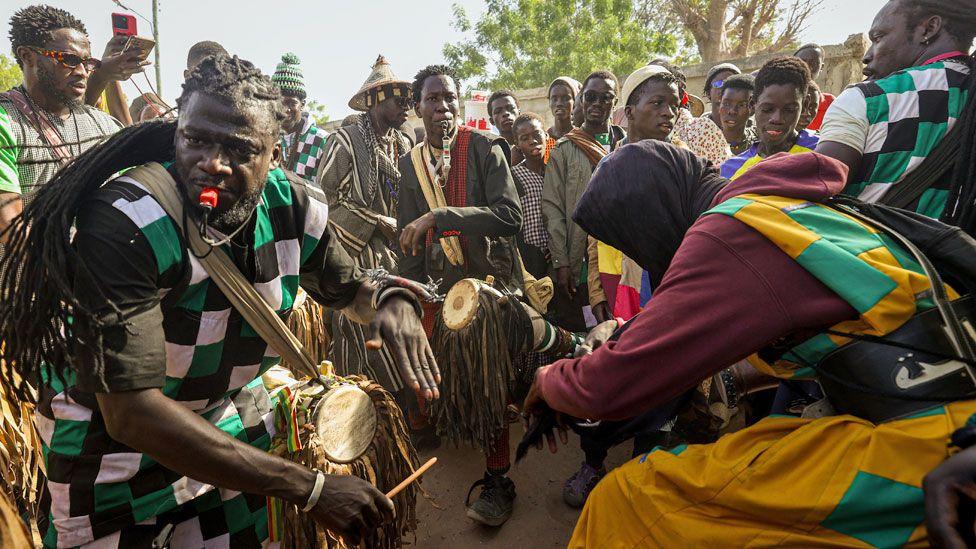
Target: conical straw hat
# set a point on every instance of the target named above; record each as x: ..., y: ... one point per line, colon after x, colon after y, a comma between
x: 381, y: 75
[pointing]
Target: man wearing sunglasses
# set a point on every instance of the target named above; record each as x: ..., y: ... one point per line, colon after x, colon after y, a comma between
x: 360, y: 178
x: 302, y: 142
x: 44, y: 122
x: 570, y: 164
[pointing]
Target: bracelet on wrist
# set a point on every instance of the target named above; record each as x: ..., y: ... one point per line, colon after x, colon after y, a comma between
x: 313, y: 498
x: 389, y: 292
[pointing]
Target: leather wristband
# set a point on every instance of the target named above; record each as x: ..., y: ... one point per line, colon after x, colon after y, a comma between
x: 313, y: 498
x: 381, y: 296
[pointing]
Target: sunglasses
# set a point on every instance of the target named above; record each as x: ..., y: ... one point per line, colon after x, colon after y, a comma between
x: 70, y: 60
x: 403, y: 102
x: 592, y: 97
x: 718, y: 83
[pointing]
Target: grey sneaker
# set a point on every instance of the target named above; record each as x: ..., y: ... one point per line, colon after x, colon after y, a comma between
x: 494, y: 506
x: 579, y: 486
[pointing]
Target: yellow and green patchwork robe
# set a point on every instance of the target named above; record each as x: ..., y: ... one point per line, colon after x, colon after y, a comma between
x: 837, y: 481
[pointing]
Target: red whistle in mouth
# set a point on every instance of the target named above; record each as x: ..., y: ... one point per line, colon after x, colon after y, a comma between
x: 208, y: 197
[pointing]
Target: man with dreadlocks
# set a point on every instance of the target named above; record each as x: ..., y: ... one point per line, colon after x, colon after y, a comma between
x: 458, y: 213
x: 360, y: 177
x: 907, y: 133
x: 44, y: 122
x: 302, y: 142
x: 154, y: 420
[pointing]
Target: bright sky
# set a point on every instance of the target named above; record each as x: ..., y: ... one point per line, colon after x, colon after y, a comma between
x: 336, y: 41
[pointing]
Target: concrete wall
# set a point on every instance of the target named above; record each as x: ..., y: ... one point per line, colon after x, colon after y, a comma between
x: 842, y: 68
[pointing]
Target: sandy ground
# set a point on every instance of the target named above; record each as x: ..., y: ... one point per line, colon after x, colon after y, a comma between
x: 540, y: 518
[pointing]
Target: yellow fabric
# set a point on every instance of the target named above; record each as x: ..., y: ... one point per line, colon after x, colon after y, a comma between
x: 773, y: 484
x: 748, y: 164
x: 609, y: 259
x: 767, y: 215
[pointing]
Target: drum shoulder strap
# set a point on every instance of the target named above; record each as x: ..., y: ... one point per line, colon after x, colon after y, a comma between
x: 41, y: 124
x: 224, y: 273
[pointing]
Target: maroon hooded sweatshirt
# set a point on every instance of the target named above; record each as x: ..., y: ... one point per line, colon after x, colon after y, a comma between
x: 728, y: 293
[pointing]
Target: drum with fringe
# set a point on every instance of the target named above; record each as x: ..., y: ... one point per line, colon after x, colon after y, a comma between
x: 477, y: 340
x: 328, y: 428
x: 310, y: 322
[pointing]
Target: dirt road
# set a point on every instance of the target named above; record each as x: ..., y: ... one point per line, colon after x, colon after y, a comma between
x: 540, y: 520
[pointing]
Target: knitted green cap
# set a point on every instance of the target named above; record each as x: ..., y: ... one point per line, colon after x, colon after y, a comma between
x: 288, y: 76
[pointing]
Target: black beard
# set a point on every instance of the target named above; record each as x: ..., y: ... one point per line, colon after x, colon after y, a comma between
x: 46, y: 78
x: 237, y: 215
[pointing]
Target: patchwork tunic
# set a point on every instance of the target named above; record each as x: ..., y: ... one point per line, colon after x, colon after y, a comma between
x: 896, y: 122
x: 361, y: 183
x: 305, y: 157
x: 183, y: 337
x: 837, y: 481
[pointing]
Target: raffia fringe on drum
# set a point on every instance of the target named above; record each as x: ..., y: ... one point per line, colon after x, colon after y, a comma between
x: 309, y: 322
x: 21, y: 462
x: 390, y: 459
x: 477, y: 371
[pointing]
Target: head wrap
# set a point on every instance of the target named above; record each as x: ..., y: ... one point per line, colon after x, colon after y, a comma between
x: 573, y: 84
x: 288, y: 76
x: 644, y: 197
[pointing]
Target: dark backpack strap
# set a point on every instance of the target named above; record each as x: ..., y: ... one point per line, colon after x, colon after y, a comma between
x: 41, y: 124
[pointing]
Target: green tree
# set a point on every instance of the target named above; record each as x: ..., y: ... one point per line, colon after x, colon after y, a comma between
x: 526, y: 43
x: 317, y: 111
x: 10, y: 74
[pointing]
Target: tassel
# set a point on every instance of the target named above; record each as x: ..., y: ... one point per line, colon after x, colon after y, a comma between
x: 477, y: 370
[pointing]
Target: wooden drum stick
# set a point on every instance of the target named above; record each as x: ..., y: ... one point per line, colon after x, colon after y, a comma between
x: 414, y: 476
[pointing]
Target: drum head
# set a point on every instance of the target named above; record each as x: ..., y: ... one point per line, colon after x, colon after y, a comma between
x: 461, y: 304
x: 345, y: 421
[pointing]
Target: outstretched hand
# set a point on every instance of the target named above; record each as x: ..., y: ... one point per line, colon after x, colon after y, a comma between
x: 950, y: 501
x: 396, y: 322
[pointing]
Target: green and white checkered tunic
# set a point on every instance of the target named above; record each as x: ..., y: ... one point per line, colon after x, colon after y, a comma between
x: 213, y: 362
x: 908, y: 114
x: 308, y: 153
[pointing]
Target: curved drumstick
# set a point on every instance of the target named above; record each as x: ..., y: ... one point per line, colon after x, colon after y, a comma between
x: 414, y: 476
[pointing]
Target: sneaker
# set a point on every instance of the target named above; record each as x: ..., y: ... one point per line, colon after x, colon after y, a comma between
x: 494, y: 506
x: 579, y: 486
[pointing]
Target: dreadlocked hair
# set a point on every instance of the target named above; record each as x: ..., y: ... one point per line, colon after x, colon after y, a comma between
x: 959, y: 161
x: 432, y: 70
x: 237, y: 82
x: 958, y: 17
x: 41, y: 269
x: 33, y: 26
